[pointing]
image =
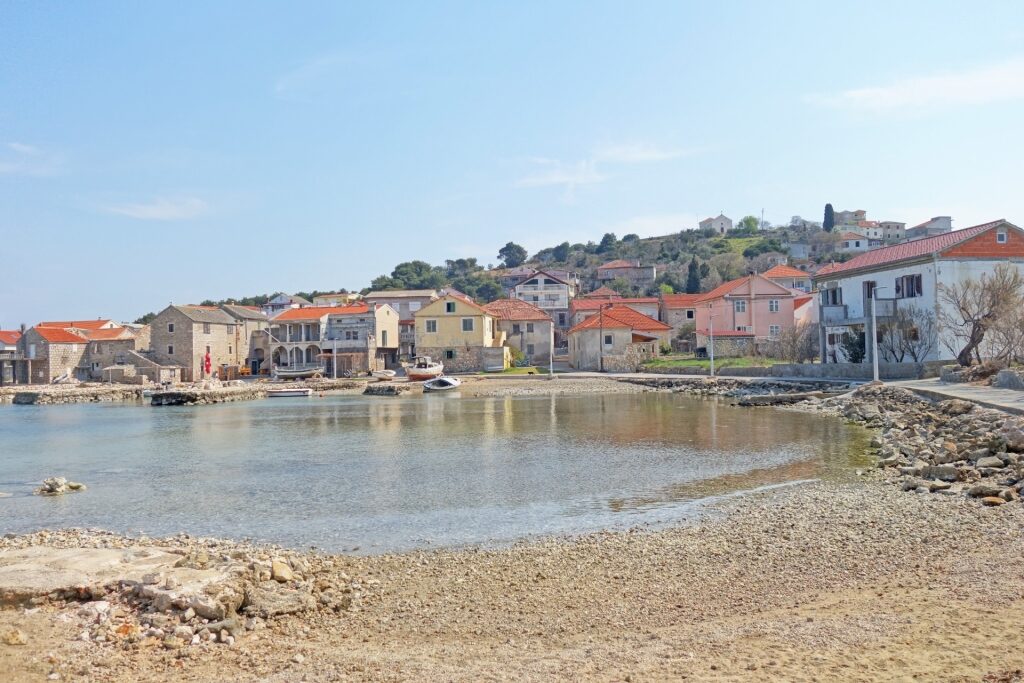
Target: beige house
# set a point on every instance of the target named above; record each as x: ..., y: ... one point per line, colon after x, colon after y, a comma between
x: 406, y: 302
x: 186, y: 335
x: 526, y: 327
x: 617, y: 339
x: 461, y: 334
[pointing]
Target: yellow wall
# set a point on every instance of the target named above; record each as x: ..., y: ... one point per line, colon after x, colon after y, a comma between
x: 449, y: 325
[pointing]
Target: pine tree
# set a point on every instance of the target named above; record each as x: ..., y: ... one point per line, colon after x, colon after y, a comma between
x: 830, y: 219
x: 693, y: 277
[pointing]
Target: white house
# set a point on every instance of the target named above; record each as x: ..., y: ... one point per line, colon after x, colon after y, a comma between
x: 721, y: 224
x: 853, y: 243
x: 907, y: 276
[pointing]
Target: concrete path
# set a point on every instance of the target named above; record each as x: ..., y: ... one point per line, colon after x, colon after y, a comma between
x: 990, y: 397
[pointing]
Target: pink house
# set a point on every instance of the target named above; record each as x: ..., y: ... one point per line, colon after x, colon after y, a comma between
x: 753, y: 307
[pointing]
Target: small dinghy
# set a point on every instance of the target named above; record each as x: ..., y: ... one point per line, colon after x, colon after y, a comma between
x: 289, y: 393
x: 442, y: 384
x: 383, y: 375
x: 423, y: 368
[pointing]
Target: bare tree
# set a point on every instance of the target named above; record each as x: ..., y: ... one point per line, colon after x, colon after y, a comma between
x: 795, y: 344
x: 910, y: 334
x: 1005, y: 339
x: 972, y: 307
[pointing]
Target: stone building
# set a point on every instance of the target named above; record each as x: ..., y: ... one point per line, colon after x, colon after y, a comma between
x: 406, y: 302
x: 582, y: 308
x: 461, y: 334
x: 526, y: 327
x: 679, y: 311
x: 721, y: 224
x: 639, y: 276
x: 185, y: 335
x: 48, y: 353
x: 617, y: 339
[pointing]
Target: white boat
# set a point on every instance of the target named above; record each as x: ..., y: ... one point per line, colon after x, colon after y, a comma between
x: 423, y: 368
x: 299, y: 372
x: 289, y: 393
x: 442, y: 384
x: 383, y: 375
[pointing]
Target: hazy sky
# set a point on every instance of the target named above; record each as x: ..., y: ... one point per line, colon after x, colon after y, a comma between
x: 157, y: 152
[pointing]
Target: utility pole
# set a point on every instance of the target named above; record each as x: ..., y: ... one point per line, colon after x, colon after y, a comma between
x: 600, y: 336
x: 711, y: 346
x: 874, y: 331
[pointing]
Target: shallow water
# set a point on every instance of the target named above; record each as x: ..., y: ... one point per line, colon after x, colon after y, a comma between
x: 383, y: 474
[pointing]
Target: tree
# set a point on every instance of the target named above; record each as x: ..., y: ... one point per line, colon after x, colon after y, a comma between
x: 412, y: 275
x: 853, y: 347
x: 145, y: 319
x: 461, y: 267
x: 512, y: 255
x: 796, y: 344
x: 608, y: 243
x: 693, y: 277
x: 729, y: 265
x: 830, y: 219
x: 561, y: 252
x: 747, y: 226
x: 971, y: 308
x: 909, y: 334
x: 622, y: 286
x: 631, y: 237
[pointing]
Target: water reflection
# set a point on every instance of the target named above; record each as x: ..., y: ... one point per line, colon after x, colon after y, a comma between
x: 395, y: 473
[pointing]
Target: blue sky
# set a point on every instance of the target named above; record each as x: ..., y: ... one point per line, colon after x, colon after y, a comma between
x: 154, y: 152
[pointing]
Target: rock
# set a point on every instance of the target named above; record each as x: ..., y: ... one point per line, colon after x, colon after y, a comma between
x: 978, y: 454
x: 58, y: 486
x: 942, y: 472
x: 891, y: 461
x: 992, y: 501
x: 151, y: 579
x: 298, y: 658
x: 14, y: 637
x: 939, y: 485
x: 1013, y: 434
x: 984, y: 490
x: 990, y: 461
x: 281, y: 571
x: 272, y: 600
x: 173, y: 643
x: 955, y: 407
x: 183, y: 632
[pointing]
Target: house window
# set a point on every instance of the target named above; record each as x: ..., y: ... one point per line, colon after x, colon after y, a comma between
x: 431, y: 326
x: 740, y: 306
x: 383, y: 337
x: 690, y: 314
x: 449, y: 307
x: 1001, y: 237
x: 99, y: 348
x: 529, y: 349
x: 170, y: 349
x: 515, y: 328
x: 229, y: 350
x: 414, y: 305
x: 561, y: 319
x: 607, y: 340
x: 206, y: 328
x: 529, y: 328
x: 467, y: 324
x: 231, y: 329
x: 170, y: 328
x: 449, y: 354
x: 909, y: 286
x: 773, y: 305
x: 774, y: 330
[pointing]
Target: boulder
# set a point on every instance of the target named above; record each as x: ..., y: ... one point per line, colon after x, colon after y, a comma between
x: 990, y: 461
x: 1013, y: 433
x: 992, y: 501
x: 955, y: 407
x: 984, y: 490
x: 941, y: 472
x: 269, y: 599
x: 281, y: 571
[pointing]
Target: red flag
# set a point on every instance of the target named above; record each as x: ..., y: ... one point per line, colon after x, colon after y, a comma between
x: 206, y: 363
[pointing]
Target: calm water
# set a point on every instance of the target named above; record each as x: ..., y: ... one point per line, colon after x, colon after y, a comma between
x: 381, y: 474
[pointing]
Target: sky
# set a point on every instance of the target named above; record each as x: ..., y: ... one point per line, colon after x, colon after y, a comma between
x: 173, y: 152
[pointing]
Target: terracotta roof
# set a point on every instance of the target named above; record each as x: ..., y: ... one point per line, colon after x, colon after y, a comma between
x: 800, y: 301
x: 79, y: 324
x: 594, y: 304
x: 400, y: 293
x: 680, y: 300
x: 726, y: 333
x: 619, y: 263
x: 906, y: 251
x: 726, y: 287
x: 783, y: 271
x: 852, y: 236
x: 103, y: 335
x: 59, y: 335
x: 515, y: 309
x: 603, y: 292
x: 318, y: 312
x: 10, y: 337
x: 618, y: 315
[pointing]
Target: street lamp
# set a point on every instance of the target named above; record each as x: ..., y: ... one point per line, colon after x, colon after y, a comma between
x: 874, y: 329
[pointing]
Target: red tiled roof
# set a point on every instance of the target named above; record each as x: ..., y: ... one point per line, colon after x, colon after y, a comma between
x: 618, y: 263
x: 680, y: 300
x: 80, y: 324
x: 594, y: 304
x: 800, y: 301
x: 783, y: 271
x: 515, y: 309
x: 619, y: 315
x: 603, y: 292
x: 103, y: 335
x: 852, y: 236
x: 318, y: 312
x: 9, y: 336
x: 906, y: 251
x: 59, y: 335
x: 726, y: 287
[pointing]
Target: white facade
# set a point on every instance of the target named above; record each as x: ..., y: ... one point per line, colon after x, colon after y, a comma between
x: 721, y: 224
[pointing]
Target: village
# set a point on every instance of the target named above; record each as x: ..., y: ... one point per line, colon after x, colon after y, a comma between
x: 798, y: 316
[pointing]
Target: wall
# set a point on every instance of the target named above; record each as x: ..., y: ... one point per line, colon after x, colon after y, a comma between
x: 467, y: 358
x: 449, y: 332
x: 1012, y: 378
x: 585, y: 347
x: 540, y: 338
x: 677, y: 318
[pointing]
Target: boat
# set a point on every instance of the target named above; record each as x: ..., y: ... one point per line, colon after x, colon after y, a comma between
x: 423, y: 368
x: 383, y: 375
x: 289, y: 393
x: 442, y: 384
x: 299, y: 372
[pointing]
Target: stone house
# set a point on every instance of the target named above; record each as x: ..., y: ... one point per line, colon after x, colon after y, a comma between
x: 461, y: 334
x: 617, y: 339
x: 406, y: 302
x: 583, y: 308
x: 47, y: 353
x: 360, y: 339
x: 282, y: 302
x: 639, y: 276
x: 721, y: 224
x: 527, y: 328
x: 939, y: 225
x: 726, y: 343
x: 298, y: 338
x: 550, y: 293
x: 185, y: 335
x: 678, y: 311
x: 907, y: 276
x: 8, y: 355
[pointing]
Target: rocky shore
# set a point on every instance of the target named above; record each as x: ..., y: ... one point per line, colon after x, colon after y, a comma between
x: 77, y: 393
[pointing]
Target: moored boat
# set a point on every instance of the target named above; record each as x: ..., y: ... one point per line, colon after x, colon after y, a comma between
x: 289, y: 393
x: 442, y: 384
x: 298, y: 372
x: 423, y: 368
x: 383, y: 375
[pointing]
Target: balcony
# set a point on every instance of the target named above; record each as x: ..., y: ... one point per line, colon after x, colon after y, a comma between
x: 540, y: 288
x: 838, y: 314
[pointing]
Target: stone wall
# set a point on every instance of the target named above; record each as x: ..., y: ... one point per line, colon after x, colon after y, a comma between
x: 1011, y: 378
x: 467, y: 359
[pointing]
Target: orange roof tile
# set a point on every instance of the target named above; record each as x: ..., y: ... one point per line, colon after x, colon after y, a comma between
x: 800, y: 301
x: 79, y: 324
x: 618, y: 315
x: 59, y: 335
x: 107, y: 334
x: 318, y: 312
x: 618, y: 263
x: 603, y: 292
x: 515, y: 309
x: 9, y: 337
x: 906, y: 251
x: 783, y: 271
x: 680, y: 300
